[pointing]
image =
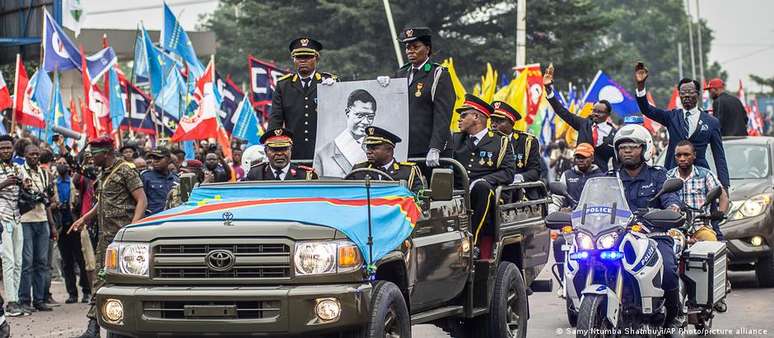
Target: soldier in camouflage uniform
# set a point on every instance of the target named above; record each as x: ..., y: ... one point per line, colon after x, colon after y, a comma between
x: 120, y: 201
x: 174, y: 198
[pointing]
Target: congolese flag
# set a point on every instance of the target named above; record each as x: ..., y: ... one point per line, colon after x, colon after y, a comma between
x: 342, y: 207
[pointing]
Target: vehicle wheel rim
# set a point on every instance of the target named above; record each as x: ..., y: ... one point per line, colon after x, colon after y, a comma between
x: 391, y: 325
x: 512, y: 317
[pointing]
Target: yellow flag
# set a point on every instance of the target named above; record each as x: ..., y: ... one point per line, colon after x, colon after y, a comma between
x: 517, y: 98
x: 459, y: 91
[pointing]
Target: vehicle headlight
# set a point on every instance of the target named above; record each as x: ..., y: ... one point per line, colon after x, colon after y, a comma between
x: 127, y: 258
x: 584, y: 241
x: 325, y: 257
x: 753, y: 206
x: 607, y: 241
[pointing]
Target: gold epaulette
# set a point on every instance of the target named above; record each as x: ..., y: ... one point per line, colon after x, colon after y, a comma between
x: 284, y: 77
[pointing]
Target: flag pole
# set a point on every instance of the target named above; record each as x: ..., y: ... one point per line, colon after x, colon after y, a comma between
x: 391, y: 23
x: 16, y: 95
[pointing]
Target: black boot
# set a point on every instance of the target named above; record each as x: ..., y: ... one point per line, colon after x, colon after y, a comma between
x: 92, y: 331
x: 673, y: 309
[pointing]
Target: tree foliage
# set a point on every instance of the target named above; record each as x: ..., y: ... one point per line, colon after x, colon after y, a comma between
x: 578, y: 36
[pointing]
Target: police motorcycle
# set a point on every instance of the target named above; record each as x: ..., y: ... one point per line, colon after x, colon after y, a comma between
x: 702, y: 265
x: 613, y: 270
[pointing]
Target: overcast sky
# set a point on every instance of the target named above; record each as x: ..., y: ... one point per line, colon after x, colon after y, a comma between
x: 744, y: 29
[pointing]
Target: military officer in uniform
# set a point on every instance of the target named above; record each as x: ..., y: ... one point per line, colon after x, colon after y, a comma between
x: 279, y: 150
x: 294, y: 104
x: 488, y: 159
x: 431, y: 96
x: 380, y: 149
x: 525, y: 147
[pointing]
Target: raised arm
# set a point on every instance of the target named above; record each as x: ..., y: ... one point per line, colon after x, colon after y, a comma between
x: 658, y: 115
x: 575, y: 121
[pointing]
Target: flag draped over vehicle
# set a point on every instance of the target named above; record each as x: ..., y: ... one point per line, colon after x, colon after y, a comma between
x: 394, y: 212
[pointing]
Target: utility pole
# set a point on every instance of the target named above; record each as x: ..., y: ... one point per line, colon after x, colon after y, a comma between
x: 391, y: 23
x: 680, y: 59
x: 698, y: 34
x: 690, y: 38
x: 521, y: 33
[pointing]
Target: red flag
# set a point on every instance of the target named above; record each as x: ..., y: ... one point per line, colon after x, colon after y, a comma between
x: 88, y: 115
x: 20, y: 90
x: 674, y: 101
x: 5, y: 95
x: 204, y: 123
x: 75, y: 118
x: 88, y: 121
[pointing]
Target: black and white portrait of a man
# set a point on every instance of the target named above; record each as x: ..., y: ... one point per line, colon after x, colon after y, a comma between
x: 342, y: 126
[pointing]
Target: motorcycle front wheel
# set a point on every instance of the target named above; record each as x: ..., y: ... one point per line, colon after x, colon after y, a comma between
x: 592, y: 318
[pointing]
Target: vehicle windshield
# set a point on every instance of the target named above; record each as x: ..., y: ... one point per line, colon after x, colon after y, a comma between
x: 602, y: 206
x: 747, y: 161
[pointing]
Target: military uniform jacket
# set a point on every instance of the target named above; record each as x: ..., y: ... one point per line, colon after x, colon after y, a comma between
x: 526, y: 153
x: 429, y: 117
x: 295, y: 107
x: 115, y: 202
x: 264, y: 172
x: 404, y: 171
x: 491, y: 159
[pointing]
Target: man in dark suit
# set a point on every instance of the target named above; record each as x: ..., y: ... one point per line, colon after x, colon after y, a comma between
x: 595, y: 130
x: 688, y: 123
x: 431, y: 96
x: 727, y: 109
x: 294, y: 104
x: 380, y: 150
x: 488, y: 159
x: 279, y: 148
x: 525, y: 147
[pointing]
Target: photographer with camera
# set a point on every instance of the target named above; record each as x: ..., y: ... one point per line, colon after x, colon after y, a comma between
x: 12, y: 237
x: 38, y: 227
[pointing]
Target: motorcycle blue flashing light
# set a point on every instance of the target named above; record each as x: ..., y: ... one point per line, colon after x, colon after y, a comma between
x: 580, y: 255
x: 611, y: 255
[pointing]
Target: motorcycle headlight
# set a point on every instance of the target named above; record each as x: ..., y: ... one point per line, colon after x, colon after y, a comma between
x: 127, y: 258
x: 326, y: 257
x: 753, y: 206
x: 607, y: 241
x: 584, y: 241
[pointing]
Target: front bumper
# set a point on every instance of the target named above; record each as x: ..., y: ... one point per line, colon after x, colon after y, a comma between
x: 738, y: 232
x: 292, y: 309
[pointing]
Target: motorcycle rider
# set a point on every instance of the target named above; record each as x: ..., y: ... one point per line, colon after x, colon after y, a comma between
x: 641, y: 182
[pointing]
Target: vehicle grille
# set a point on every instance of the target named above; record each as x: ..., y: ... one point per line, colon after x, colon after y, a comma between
x: 251, y: 261
x: 244, y: 309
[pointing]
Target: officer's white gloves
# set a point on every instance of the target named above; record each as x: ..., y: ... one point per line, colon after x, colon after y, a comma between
x: 383, y: 81
x: 518, y: 178
x: 433, y: 157
x: 328, y: 81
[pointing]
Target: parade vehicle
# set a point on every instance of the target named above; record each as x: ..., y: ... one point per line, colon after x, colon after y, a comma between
x: 613, y: 268
x: 702, y: 265
x: 334, y: 258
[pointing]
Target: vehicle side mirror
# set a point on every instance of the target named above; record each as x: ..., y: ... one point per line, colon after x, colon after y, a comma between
x: 558, y: 188
x: 670, y: 185
x: 557, y: 220
x: 442, y: 184
x: 665, y: 219
x: 187, y: 182
x: 712, y: 196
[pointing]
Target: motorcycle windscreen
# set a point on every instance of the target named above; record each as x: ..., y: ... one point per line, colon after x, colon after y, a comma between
x: 602, y: 206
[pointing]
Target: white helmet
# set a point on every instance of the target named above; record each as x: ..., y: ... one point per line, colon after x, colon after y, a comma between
x: 637, y: 134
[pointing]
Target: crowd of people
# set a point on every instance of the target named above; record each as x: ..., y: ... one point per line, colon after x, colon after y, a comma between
x: 54, y: 196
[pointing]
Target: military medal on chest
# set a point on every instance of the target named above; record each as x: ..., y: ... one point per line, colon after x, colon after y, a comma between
x: 521, y: 163
x: 420, y: 85
x: 489, y: 162
x: 481, y: 156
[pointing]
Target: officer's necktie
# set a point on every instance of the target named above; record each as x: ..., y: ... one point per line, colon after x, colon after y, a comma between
x: 306, y: 82
x: 278, y: 174
x: 472, y: 142
x: 413, y: 73
x: 594, y: 134
x: 688, y: 122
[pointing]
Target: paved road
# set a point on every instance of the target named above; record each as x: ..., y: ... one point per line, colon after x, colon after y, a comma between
x: 749, y: 307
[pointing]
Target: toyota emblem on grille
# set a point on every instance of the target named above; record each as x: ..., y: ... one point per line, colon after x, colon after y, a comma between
x: 228, y: 218
x: 220, y: 260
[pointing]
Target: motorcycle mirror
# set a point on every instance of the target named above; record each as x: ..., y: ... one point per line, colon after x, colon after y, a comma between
x: 712, y: 196
x: 557, y: 220
x: 670, y: 185
x: 558, y: 188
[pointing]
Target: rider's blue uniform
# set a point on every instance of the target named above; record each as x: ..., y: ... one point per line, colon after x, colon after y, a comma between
x: 639, y: 190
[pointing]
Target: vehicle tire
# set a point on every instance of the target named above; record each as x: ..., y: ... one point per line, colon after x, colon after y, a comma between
x: 389, y: 315
x: 507, y: 315
x: 591, y: 315
x: 572, y: 315
x: 764, y: 270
